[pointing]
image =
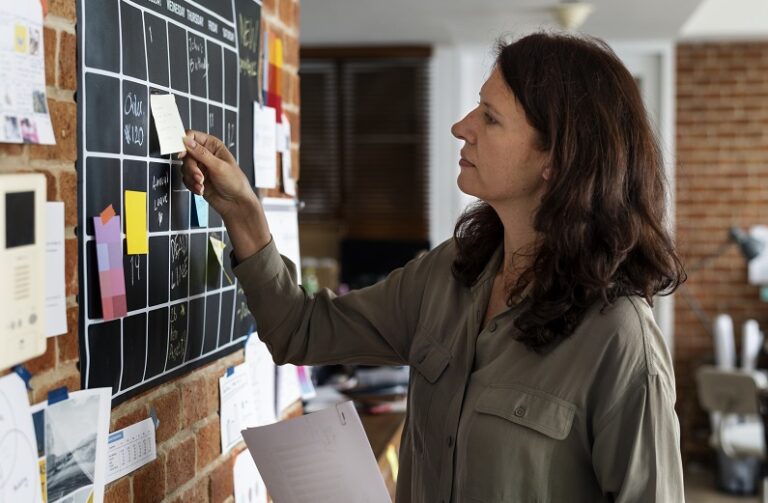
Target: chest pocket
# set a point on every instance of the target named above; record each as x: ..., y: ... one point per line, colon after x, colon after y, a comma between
x: 534, y: 409
x: 428, y: 362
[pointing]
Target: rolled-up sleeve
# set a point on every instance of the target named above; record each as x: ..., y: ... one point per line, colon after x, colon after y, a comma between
x: 636, y: 451
x: 373, y: 325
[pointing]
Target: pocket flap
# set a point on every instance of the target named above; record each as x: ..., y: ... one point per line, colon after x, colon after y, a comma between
x: 540, y: 411
x: 429, y: 358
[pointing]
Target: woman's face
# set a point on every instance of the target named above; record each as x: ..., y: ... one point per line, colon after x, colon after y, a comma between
x: 500, y: 162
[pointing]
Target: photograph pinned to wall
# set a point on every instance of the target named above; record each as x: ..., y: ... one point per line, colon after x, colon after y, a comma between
x: 72, y: 446
x: 19, y: 475
x: 23, y: 103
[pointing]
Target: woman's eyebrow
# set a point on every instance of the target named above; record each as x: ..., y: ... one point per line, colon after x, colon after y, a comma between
x: 488, y: 106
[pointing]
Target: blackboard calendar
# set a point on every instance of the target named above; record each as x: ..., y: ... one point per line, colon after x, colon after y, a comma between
x: 184, y: 305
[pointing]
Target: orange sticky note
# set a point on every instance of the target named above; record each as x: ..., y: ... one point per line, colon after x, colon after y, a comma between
x: 107, y: 214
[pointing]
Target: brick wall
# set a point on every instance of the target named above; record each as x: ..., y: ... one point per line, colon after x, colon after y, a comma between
x: 190, y: 467
x: 722, y: 180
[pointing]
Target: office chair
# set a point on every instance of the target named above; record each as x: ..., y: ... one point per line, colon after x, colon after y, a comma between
x: 731, y: 397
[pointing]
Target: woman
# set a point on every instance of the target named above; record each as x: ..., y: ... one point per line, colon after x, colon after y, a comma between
x: 538, y: 372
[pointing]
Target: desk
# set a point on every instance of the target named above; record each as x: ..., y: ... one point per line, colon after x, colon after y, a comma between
x: 384, y: 432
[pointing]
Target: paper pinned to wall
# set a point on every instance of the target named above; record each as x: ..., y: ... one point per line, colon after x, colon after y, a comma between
x: 55, y: 285
x: 136, y: 222
x: 264, y: 146
x: 237, y: 408
x: 170, y: 129
x: 24, y: 116
x: 72, y: 445
x: 283, y: 220
x: 288, y: 387
x: 130, y: 448
x: 262, y: 371
x: 19, y: 471
x: 249, y: 486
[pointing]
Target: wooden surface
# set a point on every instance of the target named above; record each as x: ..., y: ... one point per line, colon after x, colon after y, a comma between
x: 384, y: 432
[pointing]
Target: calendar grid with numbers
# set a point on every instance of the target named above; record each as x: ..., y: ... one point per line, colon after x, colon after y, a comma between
x: 184, y: 307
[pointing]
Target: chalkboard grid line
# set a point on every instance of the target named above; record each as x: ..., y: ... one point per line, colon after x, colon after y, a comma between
x: 170, y: 90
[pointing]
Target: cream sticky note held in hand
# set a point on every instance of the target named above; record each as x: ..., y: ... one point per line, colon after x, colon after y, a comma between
x: 170, y: 130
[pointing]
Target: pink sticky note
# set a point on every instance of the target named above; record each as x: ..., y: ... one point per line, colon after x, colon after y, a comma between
x: 109, y: 244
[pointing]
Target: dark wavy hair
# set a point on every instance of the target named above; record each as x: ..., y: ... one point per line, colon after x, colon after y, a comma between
x: 601, y: 220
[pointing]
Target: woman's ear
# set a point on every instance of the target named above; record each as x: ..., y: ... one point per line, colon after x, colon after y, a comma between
x: 546, y: 173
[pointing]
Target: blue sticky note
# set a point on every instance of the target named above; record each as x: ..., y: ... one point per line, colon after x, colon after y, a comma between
x: 57, y: 395
x: 199, y: 211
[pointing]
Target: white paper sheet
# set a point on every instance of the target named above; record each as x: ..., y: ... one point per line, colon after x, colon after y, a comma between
x: 170, y: 129
x: 264, y: 146
x: 19, y: 472
x: 758, y: 266
x: 23, y: 102
x: 288, y: 387
x: 262, y: 372
x: 283, y: 133
x: 130, y: 448
x: 72, y: 435
x: 249, y: 486
x: 55, y: 288
x: 237, y: 407
x: 289, y: 184
x: 324, y: 456
x: 283, y: 220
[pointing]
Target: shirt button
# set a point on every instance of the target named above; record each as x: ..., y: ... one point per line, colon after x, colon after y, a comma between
x: 520, y: 411
x: 492, y: 327
x: 450, y: 440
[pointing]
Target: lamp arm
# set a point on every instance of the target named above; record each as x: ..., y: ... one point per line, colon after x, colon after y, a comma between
x: 698, y: 311
x: 706, y: 261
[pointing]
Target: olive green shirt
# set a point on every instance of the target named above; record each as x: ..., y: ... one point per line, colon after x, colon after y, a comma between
x: 591, y: 420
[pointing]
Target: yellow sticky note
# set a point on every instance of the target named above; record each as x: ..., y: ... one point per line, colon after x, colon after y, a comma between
x: 136, y: 222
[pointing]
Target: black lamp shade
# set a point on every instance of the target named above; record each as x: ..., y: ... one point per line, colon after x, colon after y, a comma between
x: 750, y: 247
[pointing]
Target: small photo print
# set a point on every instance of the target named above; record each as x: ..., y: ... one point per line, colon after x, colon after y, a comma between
x: 29, y: 131
x: 11, y: 131
x: 20, y: 41
x: 34, y: 41
x: 38, y: 102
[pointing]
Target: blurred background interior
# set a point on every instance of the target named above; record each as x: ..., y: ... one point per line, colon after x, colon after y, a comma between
x: 381, y: 84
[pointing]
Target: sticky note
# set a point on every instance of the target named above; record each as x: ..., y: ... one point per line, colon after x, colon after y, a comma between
x: 199, y: 211
x: 108, y: 213
x: 136, y: 222
x: 110, y: 264
x: 218, y: 249
x: 170, y: 129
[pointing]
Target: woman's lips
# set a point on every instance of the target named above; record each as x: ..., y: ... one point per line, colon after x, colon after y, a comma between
x: 465, y: 163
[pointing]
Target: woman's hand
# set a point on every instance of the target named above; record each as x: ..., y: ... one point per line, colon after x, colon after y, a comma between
x: 211, y: 171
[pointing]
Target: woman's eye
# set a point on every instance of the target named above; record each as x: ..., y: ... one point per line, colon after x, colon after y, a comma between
x: 488, y: 118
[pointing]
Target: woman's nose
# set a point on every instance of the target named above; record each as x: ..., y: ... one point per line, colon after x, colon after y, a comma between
x: 461, y: 129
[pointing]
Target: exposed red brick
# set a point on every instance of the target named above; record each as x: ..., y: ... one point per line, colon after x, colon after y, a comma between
x: 63, y: 8
x: 126, y: 414
x: 119, y: 491
x: 198, y: 493
x: 68, y: 61
x: 208, y: 443
x: 149, y: 481
x: 46, y: 361
x: 222, y: 481
x: 49, y: 41
x: 168, y: 408
x: 70, y: 263
x: 180, y: 464
x: 68, y: 194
